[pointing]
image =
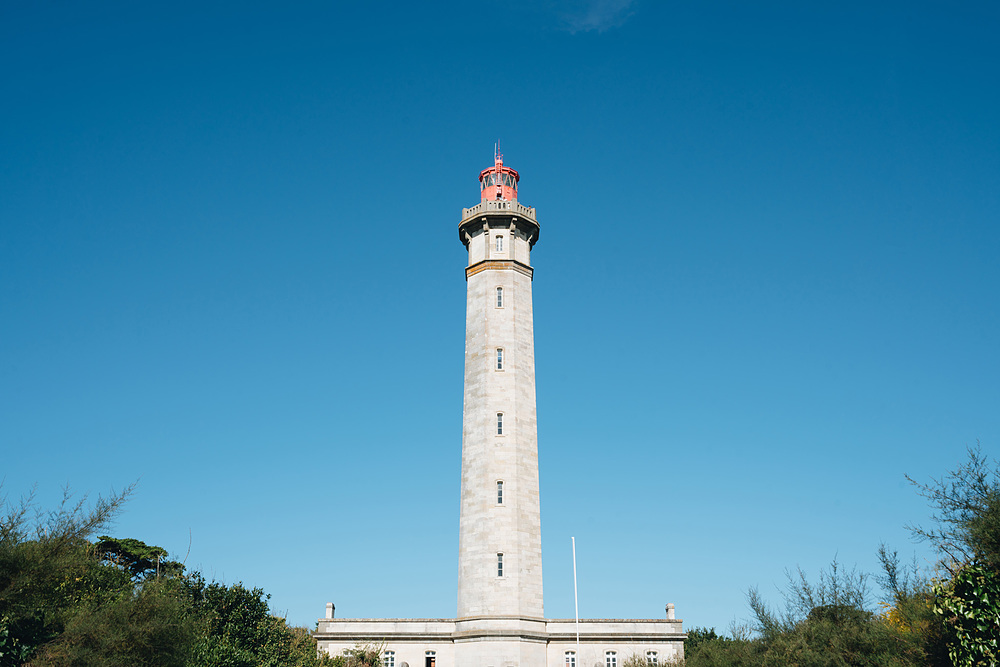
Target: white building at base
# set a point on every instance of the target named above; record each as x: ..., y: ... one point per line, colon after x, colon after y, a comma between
x: 500, y: 621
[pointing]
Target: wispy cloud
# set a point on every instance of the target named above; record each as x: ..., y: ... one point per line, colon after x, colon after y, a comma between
x: 599, y: 15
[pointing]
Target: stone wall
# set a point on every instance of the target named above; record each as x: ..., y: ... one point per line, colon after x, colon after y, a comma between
x: 506, y: 642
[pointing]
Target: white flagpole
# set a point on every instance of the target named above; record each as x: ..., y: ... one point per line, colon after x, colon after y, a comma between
x: 576, y: 604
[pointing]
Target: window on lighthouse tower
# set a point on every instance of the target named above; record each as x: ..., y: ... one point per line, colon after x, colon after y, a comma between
x: 499, y: 423
x: 499, y: 358
x: 499, y: 297
x: 499, y: 245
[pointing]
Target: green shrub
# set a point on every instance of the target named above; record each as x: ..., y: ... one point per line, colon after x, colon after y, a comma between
x: 969, y: 606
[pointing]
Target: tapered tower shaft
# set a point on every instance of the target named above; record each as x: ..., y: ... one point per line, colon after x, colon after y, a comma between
x: 500, y: 551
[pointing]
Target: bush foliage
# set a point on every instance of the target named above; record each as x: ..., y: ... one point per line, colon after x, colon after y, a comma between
x: 923, y: 620
x: 118, y: 602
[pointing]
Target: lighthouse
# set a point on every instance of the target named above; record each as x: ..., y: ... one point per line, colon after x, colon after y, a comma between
x: 500, y: 620
x: 500, y: 540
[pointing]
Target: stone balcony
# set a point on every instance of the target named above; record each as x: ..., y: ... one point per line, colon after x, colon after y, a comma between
x: 501, y: 206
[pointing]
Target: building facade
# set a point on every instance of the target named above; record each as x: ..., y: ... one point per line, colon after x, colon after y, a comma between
x: 501, y: 620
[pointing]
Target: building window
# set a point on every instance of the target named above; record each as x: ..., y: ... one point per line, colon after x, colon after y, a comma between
x: 499, y: 423
x: 430, y: 658
x: 499, y: 244
x: 610, y: 659
x: 499, y: 565
x: 389, y: 659
x: 499, y: 492
x: 570, y: 658
x: 499, y: 297
x: 499, y: 358
x: 651, y: 658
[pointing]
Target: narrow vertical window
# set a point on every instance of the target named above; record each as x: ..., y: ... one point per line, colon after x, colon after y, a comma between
x: 499, y: 297
x: 499, y: 243
x: 610, y: 659
x: 499, y: 565
x: 499, y: 492
x: 570, y: 658
x: 430, y: 658
x: 499, y: 358
x: 389, y: 659
x: 499, y: 423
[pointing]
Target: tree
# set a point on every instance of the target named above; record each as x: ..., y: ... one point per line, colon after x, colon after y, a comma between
x: 240, y: 630
x: 704, y: 647
x: 828, y: 622
x: 836, y: 589
x: 967, y: 534
x: 47, y: 569
x: 969, y: 605
x: 154, y: 625
x: 65, y: 601
x: 136, y: 557
x: 966, y: 517
x: 908, y: 605
x: 924, y: 621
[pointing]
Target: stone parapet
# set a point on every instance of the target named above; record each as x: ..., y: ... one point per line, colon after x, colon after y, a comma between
x: 613, y: 628
x: 352, y: 631
x: 499, y: 206
x: 560, y: 630
x: 499, y: 215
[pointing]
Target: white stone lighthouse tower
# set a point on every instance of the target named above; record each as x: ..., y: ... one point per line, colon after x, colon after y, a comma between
x: 500, y: 620
x: 500, y: 541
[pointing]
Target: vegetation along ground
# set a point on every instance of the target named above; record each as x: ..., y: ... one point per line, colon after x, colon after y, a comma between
x: 72, y: 596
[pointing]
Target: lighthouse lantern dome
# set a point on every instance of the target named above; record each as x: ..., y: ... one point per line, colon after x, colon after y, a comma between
x: 498, y: 182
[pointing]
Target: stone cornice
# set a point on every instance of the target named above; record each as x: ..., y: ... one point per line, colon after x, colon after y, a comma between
x: 385, y: 637
x: 598, y: 637
x: 517, y: 216
x: 498, y: 265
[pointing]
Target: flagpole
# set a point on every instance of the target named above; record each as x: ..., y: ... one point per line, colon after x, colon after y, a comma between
x: 576, y: 604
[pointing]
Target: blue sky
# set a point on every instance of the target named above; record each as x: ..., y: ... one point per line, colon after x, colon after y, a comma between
x: 766, y: 285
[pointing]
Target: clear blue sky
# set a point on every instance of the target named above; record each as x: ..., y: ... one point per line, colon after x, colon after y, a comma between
x: 766, y: 285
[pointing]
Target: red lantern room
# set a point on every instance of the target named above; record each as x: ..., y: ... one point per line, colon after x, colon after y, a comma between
x: 498, y: 181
